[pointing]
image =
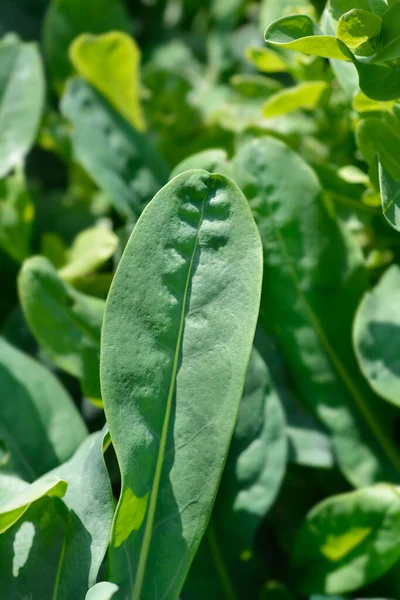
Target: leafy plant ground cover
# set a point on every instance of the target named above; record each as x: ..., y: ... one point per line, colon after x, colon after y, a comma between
x: 200, y: 300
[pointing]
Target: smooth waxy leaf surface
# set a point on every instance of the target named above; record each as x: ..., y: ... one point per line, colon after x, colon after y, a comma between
x: 21, y: 100
x: 309, y: 284
x: 348, y: 540
x: 119, y: 158
x: 303, y: 96
x: 51, y: 428
x: 90, y: 502
x: 251, y: 480
x: 16, y: 216
x: 111, y: 63
x: 65, y: 20
x: 90, y: 250
x: 13, y: 509
x: 376, y: 339
x: 172, y: 369
x: 66, y: 323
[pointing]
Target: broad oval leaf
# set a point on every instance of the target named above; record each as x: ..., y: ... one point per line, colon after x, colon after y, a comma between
x: 348, y: 540
x: 376, y: 339
x: 314, y: 278
x: 177, y: 335
x: 120, y: 159
x: 111, y: 63
x: 21, y: 100
x: 51, y: 428
x: 66, y: 323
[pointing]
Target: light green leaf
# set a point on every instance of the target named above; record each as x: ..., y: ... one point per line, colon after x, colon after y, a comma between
x: 12, y: 510
x: 304, y: 96
x: 65, y: 20
x: 299, y: 32
x: 362, y: 103
x: 90, y: 502
x: 251, y: 480
x: 119, y: 158
x: 271, y: 10
x: 102, y: 591
x: 17, y: 212
x: 314, y: 277
x: 90, y: 250
x: 171, y: 345
x: 214, y: 161
x: 390, y: 196
x: 337, y: 8
x: 111, y: 63
x: 348, y: 540
x: 66, y: 323
x: 41, y: 439
x: 358, y: 26
x: 266, y: 60
x: 375, y: 336
x: 21, y: 100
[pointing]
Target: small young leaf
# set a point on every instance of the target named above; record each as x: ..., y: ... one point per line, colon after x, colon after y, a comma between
x: 111, y: 62
x: 102, y: 591
x: 348, y: 540
x: 390, y: 196
x: 65, y: 20
x: 90, y: 250
x: 51, y: 429
x: 376, y: 339
x: 266, y: 60
x: 214, y: 161
x: 304, y: 96
x: 171, y: 345
x: 65, y: 322
x: 21, y: 100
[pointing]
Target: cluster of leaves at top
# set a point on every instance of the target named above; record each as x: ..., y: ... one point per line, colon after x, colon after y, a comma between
x: 200, y: 307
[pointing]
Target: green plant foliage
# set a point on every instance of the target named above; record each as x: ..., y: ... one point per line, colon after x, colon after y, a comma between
x: 66, y: 322
x: 38, y: 442
x: 200, y: 275
x: 375, y: 338
x: 349, y: 540
x: 206, y: 273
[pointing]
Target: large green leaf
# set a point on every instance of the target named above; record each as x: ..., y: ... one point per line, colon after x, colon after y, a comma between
x: 66, y: 323
x: 111, y: 62
x: 16, y: 216
x: 313, y: 280
x: 39, y: 425
x: 376, y: 338
x: 119, y: 159
x: 251, y: 480
x: 21, y: 100
x: 65, y: 20
x: 348, y: 540
x: 13, y: 509
x: 172, y: 369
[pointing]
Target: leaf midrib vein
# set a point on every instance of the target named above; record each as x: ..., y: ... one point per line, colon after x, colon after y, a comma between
x: 145, y: 548
x: 391, y: 453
